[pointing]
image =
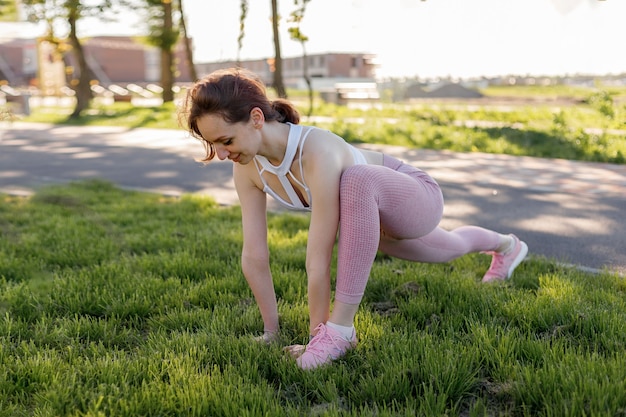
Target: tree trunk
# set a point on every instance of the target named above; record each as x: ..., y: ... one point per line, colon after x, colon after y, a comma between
x: 307, y: 78
x: 167, y: 79
x: 80, y: 85
x: 188, y: 51
x: 167, y: 59
x: 278, y: 61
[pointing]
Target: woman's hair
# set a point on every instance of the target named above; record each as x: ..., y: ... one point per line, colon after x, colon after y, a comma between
x: 231, y: 93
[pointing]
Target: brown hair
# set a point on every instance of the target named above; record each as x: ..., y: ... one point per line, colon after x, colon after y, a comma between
x: 231, y: 93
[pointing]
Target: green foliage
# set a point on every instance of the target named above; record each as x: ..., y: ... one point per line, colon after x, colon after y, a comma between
x: 243, y: 6
x: 8, y: 11
x: 61, y: 11
x: 523, y: 131
x: 602, y: 101
x: 123, y: 303
x: 295, y: 18
x: 164, y: 33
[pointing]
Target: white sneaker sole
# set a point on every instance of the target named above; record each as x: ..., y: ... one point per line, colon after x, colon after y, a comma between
x: 518, y: 259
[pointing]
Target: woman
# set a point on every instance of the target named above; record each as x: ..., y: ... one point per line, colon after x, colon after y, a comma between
x: 380, y: 202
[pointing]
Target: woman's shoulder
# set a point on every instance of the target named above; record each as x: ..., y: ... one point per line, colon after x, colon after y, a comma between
x: 321, y: 140
x: 324, y: 138
x: 325, y: 150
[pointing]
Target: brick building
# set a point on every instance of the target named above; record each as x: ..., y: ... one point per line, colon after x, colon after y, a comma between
x: 119, y: 59
x: 18, y: 61
x: 113, y: 60
x: 324, y: 69
x: 125, y: 60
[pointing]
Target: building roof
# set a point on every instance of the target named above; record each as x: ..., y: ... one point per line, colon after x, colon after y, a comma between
x: 448, y: 90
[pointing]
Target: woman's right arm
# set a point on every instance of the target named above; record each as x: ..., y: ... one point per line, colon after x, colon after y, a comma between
x: 255, y: 253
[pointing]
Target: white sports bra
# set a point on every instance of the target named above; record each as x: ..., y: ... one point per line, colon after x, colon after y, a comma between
x: 283, y: 171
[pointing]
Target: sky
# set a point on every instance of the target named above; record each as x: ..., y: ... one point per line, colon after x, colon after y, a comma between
x: 432, y: 38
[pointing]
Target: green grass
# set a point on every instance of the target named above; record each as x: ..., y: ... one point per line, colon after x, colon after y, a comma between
x: 589, y: 132
x: 117, y: 114
x: 118, y: 303
x: 553, y: 91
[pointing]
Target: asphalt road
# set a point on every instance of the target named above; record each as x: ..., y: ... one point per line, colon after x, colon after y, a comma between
x: 569, y: 211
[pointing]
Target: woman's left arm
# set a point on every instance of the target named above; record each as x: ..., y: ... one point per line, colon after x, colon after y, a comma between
x: 323, y: 173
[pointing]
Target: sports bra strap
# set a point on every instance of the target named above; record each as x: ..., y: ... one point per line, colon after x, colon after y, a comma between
x: 292, y: 145
x: 284, y: 169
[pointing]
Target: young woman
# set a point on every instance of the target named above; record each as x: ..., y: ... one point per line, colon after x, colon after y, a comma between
x: 379, y: 202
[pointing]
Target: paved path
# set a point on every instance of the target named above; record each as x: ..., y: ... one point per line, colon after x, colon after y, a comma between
x: 570, y: 211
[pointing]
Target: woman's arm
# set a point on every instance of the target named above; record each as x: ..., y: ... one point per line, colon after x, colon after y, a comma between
x: 255, y: 254
x: 323, y: 168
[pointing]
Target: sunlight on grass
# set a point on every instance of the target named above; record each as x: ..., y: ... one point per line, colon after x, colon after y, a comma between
x: 370, y: 328
x: 123, y: 303
x: 554, y: 289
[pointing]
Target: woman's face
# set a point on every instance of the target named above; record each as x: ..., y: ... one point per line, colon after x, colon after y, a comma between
x: 234, y: 141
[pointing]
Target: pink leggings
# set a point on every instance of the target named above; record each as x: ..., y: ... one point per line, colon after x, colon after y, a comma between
x: 395, y: 208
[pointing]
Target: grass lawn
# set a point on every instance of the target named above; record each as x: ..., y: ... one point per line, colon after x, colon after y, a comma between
x: 118, y: 303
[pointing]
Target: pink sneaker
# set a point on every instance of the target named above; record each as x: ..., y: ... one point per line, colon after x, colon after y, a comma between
x: 325, y: 347
x: 503, y: 264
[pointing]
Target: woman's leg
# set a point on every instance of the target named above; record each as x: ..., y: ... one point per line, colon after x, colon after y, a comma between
x: 404, y: 205
x: 371, y: 197
x: 443, y: 246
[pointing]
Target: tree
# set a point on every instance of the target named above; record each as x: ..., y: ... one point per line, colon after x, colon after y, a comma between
x: 70, y: 12
x: 297, y: 35
x: 242, y: 26
x: 164, y: 35
x: 188, y: 51
x: 278, y: 84
x: 84, y: 95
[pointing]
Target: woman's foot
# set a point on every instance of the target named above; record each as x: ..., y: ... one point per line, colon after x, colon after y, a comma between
x: 504, y: 263
x: 326, y: 346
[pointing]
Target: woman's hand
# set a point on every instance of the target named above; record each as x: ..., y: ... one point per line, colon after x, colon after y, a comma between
x: 295, y: 351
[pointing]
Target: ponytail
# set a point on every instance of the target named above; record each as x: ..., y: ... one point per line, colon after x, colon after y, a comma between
x: 287, y: 112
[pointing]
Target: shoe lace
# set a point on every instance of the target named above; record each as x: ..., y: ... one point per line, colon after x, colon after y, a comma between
x: 497, y: 263
x: 321, y: 339
x: 498, y: 260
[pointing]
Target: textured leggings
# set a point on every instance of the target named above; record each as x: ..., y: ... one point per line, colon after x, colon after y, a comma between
x: 395, y: 208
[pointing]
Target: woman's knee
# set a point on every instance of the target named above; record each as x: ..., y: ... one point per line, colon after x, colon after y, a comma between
x: 357, y: 184
x: 355, y: 176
